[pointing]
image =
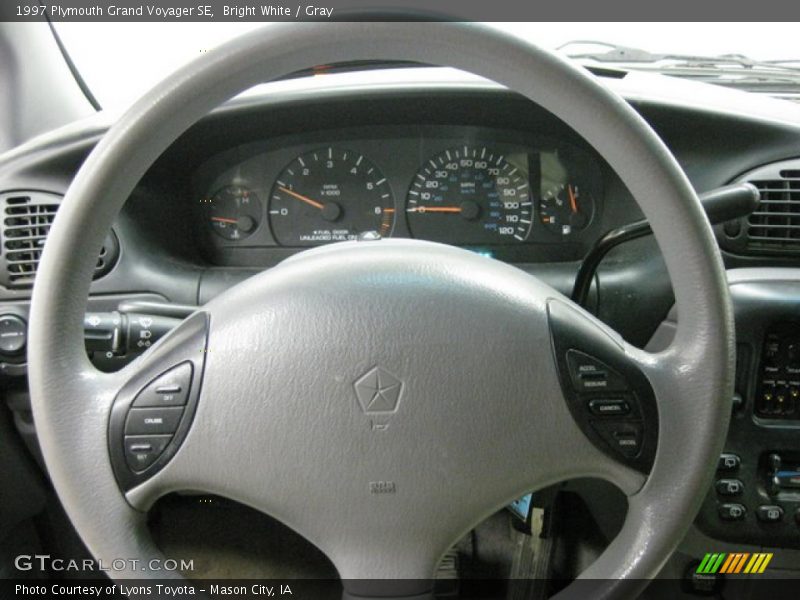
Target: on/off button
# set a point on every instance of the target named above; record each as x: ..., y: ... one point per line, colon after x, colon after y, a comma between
x: 153, y: 421
x: 168, y: 389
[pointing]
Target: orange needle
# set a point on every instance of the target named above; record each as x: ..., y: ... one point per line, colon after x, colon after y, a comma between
x: 224, y: 220
x: 302, y: 198
x: 572, y: 201
x: 434, y: 209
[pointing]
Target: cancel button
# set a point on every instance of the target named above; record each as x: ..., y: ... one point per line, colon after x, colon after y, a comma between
x: 609, y: 406
x: 153, y: 421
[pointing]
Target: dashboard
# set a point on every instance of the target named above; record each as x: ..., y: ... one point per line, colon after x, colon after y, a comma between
x: 254, y: 183
x: 495, y: 191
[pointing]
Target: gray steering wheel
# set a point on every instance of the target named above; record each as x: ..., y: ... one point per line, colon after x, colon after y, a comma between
x: 481, y: 410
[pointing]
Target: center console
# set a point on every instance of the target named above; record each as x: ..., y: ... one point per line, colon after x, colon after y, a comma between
x: 755, y: 496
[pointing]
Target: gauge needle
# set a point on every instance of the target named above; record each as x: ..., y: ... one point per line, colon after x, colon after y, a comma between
x: 224, y: 220
x: 435, y: 209
x: 302, y: 198
x: 572, y: 201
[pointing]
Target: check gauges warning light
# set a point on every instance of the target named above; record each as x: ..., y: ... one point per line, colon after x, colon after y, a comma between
x: 734, y: 563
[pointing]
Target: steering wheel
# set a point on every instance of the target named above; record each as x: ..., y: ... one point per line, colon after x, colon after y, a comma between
x: 383, y: 397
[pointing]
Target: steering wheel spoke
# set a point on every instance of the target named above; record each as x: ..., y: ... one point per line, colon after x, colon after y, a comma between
x: 605, y: 386
x: 153, y: 411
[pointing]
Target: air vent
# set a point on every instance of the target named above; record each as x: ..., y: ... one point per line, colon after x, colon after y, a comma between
x: 775, y: 225
x: 26, y: 221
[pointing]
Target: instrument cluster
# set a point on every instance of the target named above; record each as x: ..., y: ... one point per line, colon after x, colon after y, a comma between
x: 491, y: 192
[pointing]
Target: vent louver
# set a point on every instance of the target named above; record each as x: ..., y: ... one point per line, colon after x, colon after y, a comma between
x: 27, y: 217
x: 775, y: 225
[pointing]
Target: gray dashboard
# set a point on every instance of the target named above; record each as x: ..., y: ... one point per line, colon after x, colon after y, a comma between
x: 166, y: 249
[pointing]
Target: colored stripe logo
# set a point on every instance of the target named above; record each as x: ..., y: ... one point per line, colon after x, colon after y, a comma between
x: 734, y: 563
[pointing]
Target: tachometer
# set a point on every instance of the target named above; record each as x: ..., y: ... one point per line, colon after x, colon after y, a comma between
x: 330, y: 195
x: 471, y: 195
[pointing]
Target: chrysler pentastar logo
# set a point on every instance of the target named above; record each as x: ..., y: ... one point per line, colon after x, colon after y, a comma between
x: 378, y: 391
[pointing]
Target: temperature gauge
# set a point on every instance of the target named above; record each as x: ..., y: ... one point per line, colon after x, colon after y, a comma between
x: 234, y: 212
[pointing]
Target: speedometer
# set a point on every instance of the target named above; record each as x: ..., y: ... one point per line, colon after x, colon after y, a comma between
x: 471, y: 195
x: 330, y: 195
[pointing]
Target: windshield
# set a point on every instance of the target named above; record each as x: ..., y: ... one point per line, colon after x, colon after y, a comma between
x: 120, y: 61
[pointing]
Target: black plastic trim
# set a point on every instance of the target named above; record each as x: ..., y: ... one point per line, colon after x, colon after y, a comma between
x: 571, y: 331
x: 169, y: 353
x: 757, y: 306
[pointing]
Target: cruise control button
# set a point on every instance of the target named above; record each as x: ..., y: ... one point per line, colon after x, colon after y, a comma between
x: 732, y: 512
x: 609, y: 406
x: 591, y: 375
x: 155, y: 421
x: 164, y: 390
x: 168, y: 389
x: 623, y: 436
x: 728, y: 462
x: 729, y: 487
x: 142, y: 451
x: 770, y: 514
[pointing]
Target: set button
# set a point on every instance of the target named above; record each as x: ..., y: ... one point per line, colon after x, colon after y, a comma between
x: 624, y: 437
x: 142, y: 451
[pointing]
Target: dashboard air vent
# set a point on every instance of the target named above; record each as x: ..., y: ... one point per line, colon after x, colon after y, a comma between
x: 775, y: 225
x: 26, y: 221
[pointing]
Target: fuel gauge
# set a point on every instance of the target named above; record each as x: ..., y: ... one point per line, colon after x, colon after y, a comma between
x: 566, y: 208
x: 234, y: 212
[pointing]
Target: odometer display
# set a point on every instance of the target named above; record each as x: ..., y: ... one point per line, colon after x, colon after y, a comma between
x: 330, y: 195
x: 471, y: 195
